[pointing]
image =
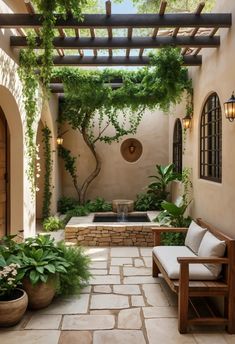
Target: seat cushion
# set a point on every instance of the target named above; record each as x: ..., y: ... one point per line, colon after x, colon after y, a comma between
x: 167, y: 255
x: 194, y: 236
x: 212, y: 247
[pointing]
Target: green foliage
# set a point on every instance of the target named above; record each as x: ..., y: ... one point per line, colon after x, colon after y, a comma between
x: 41, y: 259
x: 173, y: 239
x: 65, y: 204
x: 52, y: 223
x: 99, y: 204
x: 164, y: 176
x: 29, y: 79
x: 173, y: 215
x: 145, y: 202
x: 70, y: 161
x: 77, y: 274
x: 48, y: 169
x: 79, y: 210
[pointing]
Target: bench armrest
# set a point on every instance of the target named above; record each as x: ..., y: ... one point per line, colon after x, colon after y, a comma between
x: 202, y: 260
x: 158, y: 230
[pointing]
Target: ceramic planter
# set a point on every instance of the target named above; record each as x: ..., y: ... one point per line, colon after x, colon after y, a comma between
x: 12, y: 311
x: 41, y: 294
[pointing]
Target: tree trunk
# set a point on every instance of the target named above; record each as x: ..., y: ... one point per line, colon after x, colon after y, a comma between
x: 96, y: 171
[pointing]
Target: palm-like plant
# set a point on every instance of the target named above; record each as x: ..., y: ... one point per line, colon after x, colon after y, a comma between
x: 164, y: 175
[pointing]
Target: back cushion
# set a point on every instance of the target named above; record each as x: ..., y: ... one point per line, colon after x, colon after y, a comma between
x: 212, y: 247
x: 194, y: 236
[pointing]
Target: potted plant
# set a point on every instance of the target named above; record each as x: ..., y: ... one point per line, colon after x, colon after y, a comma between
x: 13, y: 300
x: 41, y: 263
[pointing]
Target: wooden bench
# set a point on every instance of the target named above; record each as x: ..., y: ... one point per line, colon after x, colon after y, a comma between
x: 187, y: 290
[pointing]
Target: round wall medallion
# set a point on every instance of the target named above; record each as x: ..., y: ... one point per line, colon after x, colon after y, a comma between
x: 131, y: 150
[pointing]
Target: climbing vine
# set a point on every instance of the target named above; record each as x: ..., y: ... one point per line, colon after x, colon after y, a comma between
x: 89, y: 98
x: 48, y: 169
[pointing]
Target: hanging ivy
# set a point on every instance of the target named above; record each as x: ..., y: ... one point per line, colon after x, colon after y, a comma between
x: 46, y: 132
x: 28, y: 63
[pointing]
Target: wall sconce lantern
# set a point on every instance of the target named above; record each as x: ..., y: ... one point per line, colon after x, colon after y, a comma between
x: 59, y: 140
x: 229, y: 108
x: 187, y: 120
x: 132, y: 148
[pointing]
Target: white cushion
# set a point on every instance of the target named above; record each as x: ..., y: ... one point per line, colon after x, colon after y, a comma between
x: 167, y: 255
x: 212, y: 247
x: 194, y: 236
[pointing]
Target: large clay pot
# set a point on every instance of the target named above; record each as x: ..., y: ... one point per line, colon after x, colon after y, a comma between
x: 41, y: 294
x: 12, y: 311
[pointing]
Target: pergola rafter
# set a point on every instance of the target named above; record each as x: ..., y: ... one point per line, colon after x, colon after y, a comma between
x: 190, y: 31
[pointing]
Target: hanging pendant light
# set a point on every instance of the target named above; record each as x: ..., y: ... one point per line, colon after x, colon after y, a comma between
x: 229, y: 108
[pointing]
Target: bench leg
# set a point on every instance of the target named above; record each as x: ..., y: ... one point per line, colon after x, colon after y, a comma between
x: 230, y: 314
x: 183, y: 299
x: 155, y: 270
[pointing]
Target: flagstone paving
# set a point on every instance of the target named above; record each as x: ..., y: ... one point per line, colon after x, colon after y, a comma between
x: 123, y: 304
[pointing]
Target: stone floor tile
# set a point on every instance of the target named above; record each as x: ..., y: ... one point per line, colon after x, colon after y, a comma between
x: 30, y: 337
x: 102, y: 289
x: 230, y: 338
x: 86, y: 290
x: 44, y: 322
x: 98, y: 265
x: 160, y: 312
x: 146, y: 251
x: 97, y: 253
x: 136, y: 271
x: 148, y: 262
x: 126, y: 289
x: 119, y: 337
x: 138, y: 263
x: 121, y: 261
x: 208, y: 338
x: 71, y: 305
x: 88, y: 322
x: 137, y: 301
x: 124, y: 252
x: 140, y: 280
x: 171, y: 296
x: 155, y: 295
x: 114, y: 270
x: 129, y: 319
x: 109, y: 279
x: 98, y: 272
x: 109, y: 301
x: 166, y: 331
x: 103, y: 312
x: 72, y: 337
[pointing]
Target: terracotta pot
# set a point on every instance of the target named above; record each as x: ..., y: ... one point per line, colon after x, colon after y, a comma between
x: 11, y: 312
x: 41, y: 294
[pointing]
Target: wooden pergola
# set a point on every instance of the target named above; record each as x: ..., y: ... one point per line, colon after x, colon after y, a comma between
x: 190, y: 31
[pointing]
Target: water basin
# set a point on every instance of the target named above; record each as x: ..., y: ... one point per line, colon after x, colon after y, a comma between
x: 121, y: 218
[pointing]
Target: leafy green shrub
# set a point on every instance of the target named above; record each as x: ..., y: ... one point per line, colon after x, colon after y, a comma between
x: 65, y: 204
x: 52, y: 223
x: 145, y: 202
x: 173, y: 216
x: 99, y: 204
x: 79, y: 210
x: 77, y: 274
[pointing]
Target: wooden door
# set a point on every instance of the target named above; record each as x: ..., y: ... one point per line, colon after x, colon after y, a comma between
x: 3, y: 174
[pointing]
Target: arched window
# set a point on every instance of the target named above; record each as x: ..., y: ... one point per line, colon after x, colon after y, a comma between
x: 177, y: 146
x: 211, y: 140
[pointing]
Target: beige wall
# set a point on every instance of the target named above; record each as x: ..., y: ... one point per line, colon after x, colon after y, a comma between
x: 119, y: 178
x: 214, y: 202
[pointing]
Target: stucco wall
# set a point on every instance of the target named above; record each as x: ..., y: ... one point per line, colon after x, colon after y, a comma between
x: 214, y: 202
x: 119, y: 178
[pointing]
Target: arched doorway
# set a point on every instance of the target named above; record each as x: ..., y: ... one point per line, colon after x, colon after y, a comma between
x: 4, y: 175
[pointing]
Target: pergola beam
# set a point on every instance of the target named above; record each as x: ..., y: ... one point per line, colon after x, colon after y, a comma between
x: 115, y: 61
x: 121, y: 20
x: 123, y: 42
